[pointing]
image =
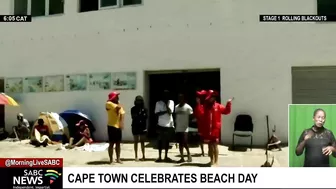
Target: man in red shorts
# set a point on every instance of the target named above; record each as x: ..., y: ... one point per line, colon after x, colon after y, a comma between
x: 212, y: 112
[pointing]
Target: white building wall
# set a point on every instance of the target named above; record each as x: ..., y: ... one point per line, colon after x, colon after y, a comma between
x: 255, y: 58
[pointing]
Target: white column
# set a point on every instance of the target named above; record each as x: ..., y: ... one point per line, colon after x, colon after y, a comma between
x: 71, y: 7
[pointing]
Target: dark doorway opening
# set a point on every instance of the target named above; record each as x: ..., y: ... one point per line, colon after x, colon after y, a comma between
x: 2, y: 107
x: 186, y: 82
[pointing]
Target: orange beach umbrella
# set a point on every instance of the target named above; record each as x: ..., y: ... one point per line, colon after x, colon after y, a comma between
x: 7, y: 100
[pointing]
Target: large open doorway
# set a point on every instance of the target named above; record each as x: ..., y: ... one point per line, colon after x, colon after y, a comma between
x: 2, y: 107
x: 177, y: 81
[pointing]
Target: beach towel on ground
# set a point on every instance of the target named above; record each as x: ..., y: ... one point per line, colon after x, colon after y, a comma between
x: 96, y: 147
x: 40, y: 138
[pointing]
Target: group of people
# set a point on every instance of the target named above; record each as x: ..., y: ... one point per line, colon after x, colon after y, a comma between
x: 172, y: 120
x: 173, y: 125
x: 40, y: 134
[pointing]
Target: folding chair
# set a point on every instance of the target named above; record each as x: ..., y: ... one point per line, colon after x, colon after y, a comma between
x: 243, y: 127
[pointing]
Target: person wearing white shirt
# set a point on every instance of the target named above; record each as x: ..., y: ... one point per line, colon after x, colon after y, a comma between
x: 164, y: 111
x: 183, y: 112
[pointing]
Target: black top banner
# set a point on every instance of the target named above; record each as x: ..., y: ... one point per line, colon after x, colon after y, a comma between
x: 15, y: 18
x: 297, y: 18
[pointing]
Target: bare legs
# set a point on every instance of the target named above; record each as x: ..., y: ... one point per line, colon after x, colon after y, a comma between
x: 183, y: 144
x: 21, y: 132
x: 210, y: 146
x: 141, y: 139
x: 213, y: 153
x: 117, y: 150
x: 164, y: 135
x: 110, y: 152
x: 202, y: 148
x: 216, y: 153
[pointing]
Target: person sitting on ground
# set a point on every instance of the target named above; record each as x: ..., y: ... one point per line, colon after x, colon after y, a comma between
x: 41, y: 134
x: 21, y: 131
x: 82, y: 136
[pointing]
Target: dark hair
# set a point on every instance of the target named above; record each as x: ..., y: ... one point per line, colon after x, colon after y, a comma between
x: 318, y: 110
x: 139, y: 98
x: 183, y: 95
x: 39, y: 121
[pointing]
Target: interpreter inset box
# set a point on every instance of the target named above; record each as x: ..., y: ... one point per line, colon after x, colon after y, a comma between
x: 311, y: 135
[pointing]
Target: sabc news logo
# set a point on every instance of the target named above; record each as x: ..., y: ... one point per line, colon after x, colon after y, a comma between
x: 53, y: 175
x: 36, y: 177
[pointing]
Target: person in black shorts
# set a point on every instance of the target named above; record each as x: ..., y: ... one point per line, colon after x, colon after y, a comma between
x: 317, y: 142
x: 115, y: 124
x: 139, y: 125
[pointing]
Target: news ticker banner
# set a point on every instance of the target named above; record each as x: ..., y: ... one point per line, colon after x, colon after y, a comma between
x: 297, y: 18
x: 48, y: 173
x: 195, y: 177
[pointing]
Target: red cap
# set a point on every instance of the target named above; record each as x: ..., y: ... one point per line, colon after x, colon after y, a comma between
x: 211, y: 93
x: 201, y: 93
x: 113, y: 95
x: 81, y: 122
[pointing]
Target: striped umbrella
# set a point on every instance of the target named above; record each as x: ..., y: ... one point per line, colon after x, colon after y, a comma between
x: 7, y: 100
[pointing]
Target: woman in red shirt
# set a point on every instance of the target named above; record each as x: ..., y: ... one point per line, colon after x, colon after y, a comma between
x: 41, y: 134
x: 198, y: 114
x: 82, y: 135
x: 211, y: 114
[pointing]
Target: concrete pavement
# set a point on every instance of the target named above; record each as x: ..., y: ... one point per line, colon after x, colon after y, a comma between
x: 76, y: 158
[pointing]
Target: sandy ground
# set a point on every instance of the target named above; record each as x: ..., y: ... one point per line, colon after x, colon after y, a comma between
x: 76, y: 158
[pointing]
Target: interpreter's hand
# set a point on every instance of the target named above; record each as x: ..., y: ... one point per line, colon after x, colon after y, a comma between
x: 231, y: 99
x: 328, y: 150
x: 308, y: 135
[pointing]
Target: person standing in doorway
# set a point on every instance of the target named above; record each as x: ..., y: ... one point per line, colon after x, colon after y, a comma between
x: 199, y: 117
x: 213, y: 122
x: 115, y: 124
x: 183, y: 112
x: 164, y: 109
x: 139, y: 125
